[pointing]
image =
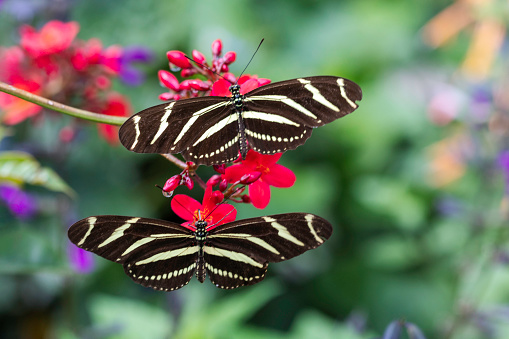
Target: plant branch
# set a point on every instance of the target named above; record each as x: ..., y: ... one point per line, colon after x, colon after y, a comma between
x: 56, y: 106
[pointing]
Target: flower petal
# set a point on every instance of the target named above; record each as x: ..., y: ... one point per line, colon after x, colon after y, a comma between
x: 185, y: 206
x: 259, y: 192
x: 235, y: 172
x: 222, y: 214
x: 221, y: 88
x: 279, y: 176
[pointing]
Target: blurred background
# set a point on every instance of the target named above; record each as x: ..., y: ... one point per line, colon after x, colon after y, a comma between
x: 414, y: 181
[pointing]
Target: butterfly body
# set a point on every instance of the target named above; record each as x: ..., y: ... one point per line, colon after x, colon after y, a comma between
x: 165, y: 255
x: 270, y: 119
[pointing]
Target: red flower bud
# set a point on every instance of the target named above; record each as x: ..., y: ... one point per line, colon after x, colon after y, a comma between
x: 219, y: 168
x: 214, y: 180
x: 224, y: 68
x: 198, y: 57
x: 223, y: 185
x: 230, y: 78
x: 172, y: 183
x: 217, y: 47
x: 229, y: 57
x: 217, y: 196
x: 187, y: 72
x: 179, y: 59
x: 249, y: 178
x: 166, y: 96
x: 185, y: 85
x: 188, y: 181
x: 199, y: 85
x: 168, y: 80
x: 246, y: 199
x: 102, y: 82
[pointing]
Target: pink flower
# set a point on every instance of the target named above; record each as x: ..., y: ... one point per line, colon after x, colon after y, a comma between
x: 210, y: 211
x: 272, y: 174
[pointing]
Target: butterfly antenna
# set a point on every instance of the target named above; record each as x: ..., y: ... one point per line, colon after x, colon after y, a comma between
x: 208, y: 68
x: 257, y: 48
x: 224, y: 201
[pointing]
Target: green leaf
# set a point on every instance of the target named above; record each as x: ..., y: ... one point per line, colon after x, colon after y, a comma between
x: 22, y: 168
x: 124, y: 318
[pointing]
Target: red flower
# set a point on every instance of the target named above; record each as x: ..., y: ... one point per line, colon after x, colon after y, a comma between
x: 15, y: 109
x: 272, y: 174
x: 116, y: 105
x: 54, y: 37
x: 86, y: 54
x: 191, y: 210
x: 247, y: 83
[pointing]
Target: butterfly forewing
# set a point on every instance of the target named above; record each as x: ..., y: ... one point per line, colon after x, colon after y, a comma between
x: 155, y: 253
x: 174, y: 126
x: 277, y: 117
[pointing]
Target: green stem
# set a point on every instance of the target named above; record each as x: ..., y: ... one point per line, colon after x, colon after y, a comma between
x: 56, y: 106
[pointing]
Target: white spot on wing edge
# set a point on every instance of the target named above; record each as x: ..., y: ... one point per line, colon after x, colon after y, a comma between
x: 136, y: 121
x: 283, y: 231
x: 164, y: 122
x: 309, y: 218
x: 91, y: 223
x: 317, y: 96
x: 341, y: 83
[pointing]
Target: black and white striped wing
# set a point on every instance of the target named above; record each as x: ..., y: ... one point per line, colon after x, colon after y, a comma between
x: 202, y: 129
x: 277, y: 117
x: 237, y: 253
x: 281, y: 115
x: 155, y: 253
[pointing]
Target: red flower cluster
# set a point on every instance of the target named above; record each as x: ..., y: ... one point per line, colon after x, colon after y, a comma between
x: 51, y: 63
x: 218, y: 79
x: 257, y: 171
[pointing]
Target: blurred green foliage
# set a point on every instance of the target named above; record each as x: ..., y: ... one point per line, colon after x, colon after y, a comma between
x: 394, y: 253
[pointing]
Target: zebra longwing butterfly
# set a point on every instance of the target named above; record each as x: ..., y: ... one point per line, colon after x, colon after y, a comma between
x: 269, y: 119
x: 164, y: 255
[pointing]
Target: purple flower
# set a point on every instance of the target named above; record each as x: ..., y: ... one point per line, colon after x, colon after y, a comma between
x: 81, y: 261
x: 503, y: 163
x: 134, y: 54
x: 19, y: 203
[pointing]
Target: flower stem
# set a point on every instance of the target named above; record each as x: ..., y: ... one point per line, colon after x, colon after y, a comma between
x: 56, y: 106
